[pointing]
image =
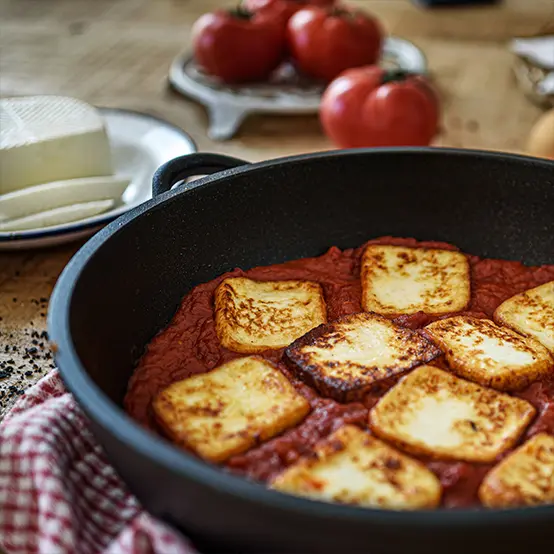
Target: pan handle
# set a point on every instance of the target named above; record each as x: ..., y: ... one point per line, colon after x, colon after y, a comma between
x: 179, y: 169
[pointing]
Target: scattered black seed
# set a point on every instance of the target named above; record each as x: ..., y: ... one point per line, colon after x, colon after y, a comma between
x: 42, y: 314
x: 14, y: 299
x: 43, y: 299
x: 28, y: 373
x: 35, y: 342
x: 44, y: 335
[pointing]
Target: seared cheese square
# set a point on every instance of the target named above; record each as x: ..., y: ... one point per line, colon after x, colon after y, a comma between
x: 229, y: 409
x: 402, y: 280
x: 498, y: 357
x: 253, y: 316
x: 345, y: 358
x: 435, y: 413
x: 531, y: 313
x: 352, y: 467
x: 524, y: 478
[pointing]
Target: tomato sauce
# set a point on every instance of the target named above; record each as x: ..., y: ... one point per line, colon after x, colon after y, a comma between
x: 189, y: 345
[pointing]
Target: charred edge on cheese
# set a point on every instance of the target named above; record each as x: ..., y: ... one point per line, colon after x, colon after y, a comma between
x: 339, y: 389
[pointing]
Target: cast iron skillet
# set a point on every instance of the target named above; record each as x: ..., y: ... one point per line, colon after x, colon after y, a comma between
x: 125, y: 284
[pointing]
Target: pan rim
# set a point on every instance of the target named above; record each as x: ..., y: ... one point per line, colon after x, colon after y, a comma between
x: 159, y: 451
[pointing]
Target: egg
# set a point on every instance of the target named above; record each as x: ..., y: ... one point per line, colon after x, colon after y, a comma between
x: 541, y: 139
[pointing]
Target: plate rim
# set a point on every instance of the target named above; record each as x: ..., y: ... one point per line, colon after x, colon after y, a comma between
x: 74, y: 227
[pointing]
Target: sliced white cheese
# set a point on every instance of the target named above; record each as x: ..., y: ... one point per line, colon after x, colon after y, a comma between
x: 345, y: 358
x: 531, y: 313
x: 352, y: 467
x: 402, y: 280
x: 50, y: 138
x: 434, y: 413
x: 525, y: 477
x: 48, y: 196
x: 58, y: 216
x: 481, y: 351
x: 253, y: 316
x: 230, y: 409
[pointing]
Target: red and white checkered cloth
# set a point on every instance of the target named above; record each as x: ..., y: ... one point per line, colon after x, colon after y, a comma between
x: 58, y: 494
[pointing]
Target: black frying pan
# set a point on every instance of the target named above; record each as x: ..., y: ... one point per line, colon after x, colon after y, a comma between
x: 125, y: 284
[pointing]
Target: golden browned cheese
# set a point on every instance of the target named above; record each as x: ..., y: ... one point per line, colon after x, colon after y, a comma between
x: 435, y: 413
x: 346, y: 358
x: 525, y: 477
x: 230, y: 409
x: 402, y: 280
x: 531, y: 313
x: 253, y: 316
x: 498, y: 357
x: 352, y: 467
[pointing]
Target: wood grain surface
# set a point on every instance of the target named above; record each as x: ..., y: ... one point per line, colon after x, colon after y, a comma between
x: 117, y: 52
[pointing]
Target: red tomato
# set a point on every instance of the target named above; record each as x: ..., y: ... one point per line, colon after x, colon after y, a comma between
x: 325, y: 42
x: 283, y: 8
x: 238, y: 46
x: 369, y: 106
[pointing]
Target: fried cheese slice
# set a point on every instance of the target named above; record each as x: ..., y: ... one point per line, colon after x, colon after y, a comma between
x: 435, y: 413
x: 494, y: 356
x: 531, y: 313
x: 253, y: 316
x: 345, y: 358
x: 352, y: 467
x: 401, y: 280
x: 229, y: 409
x: 524, y: 478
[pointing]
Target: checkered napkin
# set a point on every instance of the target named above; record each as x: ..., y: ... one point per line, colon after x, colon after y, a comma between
x: 58, y: 494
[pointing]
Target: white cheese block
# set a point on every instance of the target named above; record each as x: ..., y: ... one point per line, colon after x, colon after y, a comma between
x: 434, y: 413
x: 402, y: 280
x: 253, y: 316
x: 495, y: 356
x: 525, y: 477
x: 57, y: 216
x: 50, y: 138
x: 352, y: 467
x: 531, y: 313
x: 229, y: 409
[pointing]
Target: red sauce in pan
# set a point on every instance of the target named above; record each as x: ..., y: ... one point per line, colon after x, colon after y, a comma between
x: 190, y: 345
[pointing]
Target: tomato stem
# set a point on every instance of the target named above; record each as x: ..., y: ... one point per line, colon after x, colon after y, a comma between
x: 393, y: 75
x: 240, y: 12
x: 337, y: 11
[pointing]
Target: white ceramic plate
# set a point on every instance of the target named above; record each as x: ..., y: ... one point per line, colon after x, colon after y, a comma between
x: 140, y: 143
x: 285, y: 92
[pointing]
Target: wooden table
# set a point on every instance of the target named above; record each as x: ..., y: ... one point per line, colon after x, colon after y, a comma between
x: 117, y: 52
